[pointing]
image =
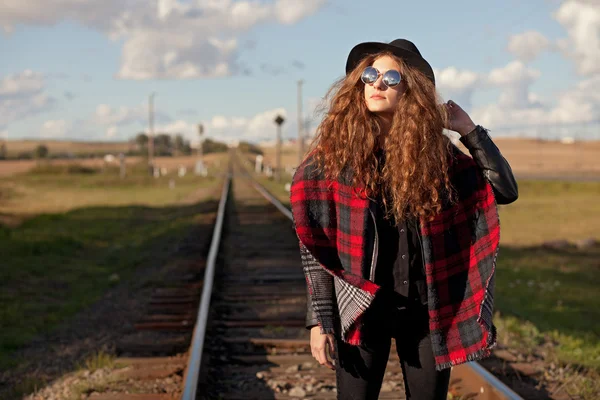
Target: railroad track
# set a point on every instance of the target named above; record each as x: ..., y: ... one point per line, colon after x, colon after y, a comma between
x: 247, y: 314
x: 257, y: 346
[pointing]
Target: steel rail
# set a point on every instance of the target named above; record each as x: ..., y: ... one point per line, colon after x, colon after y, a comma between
x: 195, y: 359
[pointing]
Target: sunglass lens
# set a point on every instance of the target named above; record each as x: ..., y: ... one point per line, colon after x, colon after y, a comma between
x: 391, y: 78
x: 369, y: 75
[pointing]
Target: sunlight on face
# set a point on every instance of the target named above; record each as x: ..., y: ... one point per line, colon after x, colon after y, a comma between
x: 381, y: 99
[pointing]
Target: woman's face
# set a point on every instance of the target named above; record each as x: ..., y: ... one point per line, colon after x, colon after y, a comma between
x: 380, y: 98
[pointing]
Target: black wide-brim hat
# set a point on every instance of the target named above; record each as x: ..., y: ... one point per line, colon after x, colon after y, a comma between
x: 405, y: 49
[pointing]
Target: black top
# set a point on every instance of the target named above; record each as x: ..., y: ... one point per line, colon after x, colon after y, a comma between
x: 400, y: 269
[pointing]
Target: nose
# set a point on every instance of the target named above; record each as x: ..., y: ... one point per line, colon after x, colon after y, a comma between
x: 379, y: 83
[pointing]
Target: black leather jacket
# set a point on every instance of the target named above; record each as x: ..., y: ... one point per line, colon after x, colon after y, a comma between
x: 495, y: 168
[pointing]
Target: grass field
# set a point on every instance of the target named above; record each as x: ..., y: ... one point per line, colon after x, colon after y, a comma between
x: 68, y: 237
x: 547, y: 300
x: 23, y: 194
x: 527, y: 157
x: 557, y: 292
x: 12, y: 167
x: 16, y: 147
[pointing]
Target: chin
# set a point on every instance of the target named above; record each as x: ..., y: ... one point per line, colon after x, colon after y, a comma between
x: 378, y: 110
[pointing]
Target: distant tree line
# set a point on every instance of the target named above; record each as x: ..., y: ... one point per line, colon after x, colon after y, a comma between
x: 246, y: 147
x: 164, y: 145
x: 41, y: 151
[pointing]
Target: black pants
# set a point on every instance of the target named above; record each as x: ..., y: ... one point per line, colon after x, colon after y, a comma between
x: 360, y: 369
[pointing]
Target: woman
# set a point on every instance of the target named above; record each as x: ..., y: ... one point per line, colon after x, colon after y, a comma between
x: 398, y: 229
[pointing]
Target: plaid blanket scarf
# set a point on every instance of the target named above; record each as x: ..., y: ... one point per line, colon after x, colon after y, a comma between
x: 460, y: 247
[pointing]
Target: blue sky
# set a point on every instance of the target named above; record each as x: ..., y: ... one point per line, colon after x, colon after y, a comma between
x: 84, y: 72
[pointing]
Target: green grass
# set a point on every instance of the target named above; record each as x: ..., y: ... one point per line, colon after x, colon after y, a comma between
x: 98, y: 360
x: 43, y: 192
x: 548, y: 210
x: 60, y: 263
x: 87, y: 388
x: 556, y: 291
x: 56, y: 264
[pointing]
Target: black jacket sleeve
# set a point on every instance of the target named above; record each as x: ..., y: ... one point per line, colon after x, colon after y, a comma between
x: 495, y: 168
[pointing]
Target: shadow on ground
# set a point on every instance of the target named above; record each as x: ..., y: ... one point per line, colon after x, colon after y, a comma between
x: 71, y: 284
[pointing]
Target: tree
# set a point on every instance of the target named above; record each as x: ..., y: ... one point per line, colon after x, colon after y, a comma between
x: 181, y: 146
x: 163, y: 145
x: 141, y: 140
x: 246, y: 147
x: 41, y: 151
x: 212, y: 146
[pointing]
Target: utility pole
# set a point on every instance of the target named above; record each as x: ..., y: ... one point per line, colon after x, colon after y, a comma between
x: 300, y: 124
x: 151, y: 132
x: 279, y: 121
x: 200, y: 169
x: 200, y: 132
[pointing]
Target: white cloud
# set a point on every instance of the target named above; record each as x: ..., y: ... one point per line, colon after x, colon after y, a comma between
x: 22, y: 95
x: 170, y: 39
x: 256, y: 128
x: 180, y: 127
x: 516, y: 105
x: 112, y: 132
x: 513, y: 72
x: 574, y: 107
x: 581, y: 103
x: 292, y: 11
x: 22, y: 84
x: 105, y: 122
x: 457, y: 85
x: 190, y: 130
x: 237, y: 122
x: 263, y: 125
x: 527, y: 45
x: 106, y: 115
x: 219, y: 122
x: 154, y: 54
x: 55, y: 129
x: 514, y: 80
x: 195, y: 40
x: 570, y: 112
x: 581, y: 19
x: 96, y: 14
x: 221, y: 128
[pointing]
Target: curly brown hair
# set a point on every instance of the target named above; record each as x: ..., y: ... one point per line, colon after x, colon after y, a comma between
x: 415, y: 178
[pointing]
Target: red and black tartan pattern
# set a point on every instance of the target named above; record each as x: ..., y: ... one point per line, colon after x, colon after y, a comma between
x: 460, y: 248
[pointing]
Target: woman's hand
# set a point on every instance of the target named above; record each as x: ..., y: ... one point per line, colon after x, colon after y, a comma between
x: 458, y: 119
x: 320, y: 344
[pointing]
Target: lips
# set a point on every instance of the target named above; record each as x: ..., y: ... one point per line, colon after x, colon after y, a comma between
x: 377, y: 97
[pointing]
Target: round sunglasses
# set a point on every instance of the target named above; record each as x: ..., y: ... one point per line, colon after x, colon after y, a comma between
x: 391, y: 77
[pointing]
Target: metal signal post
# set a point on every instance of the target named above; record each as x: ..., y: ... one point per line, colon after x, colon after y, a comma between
x: 151, y: 132
x: 279, y: 121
